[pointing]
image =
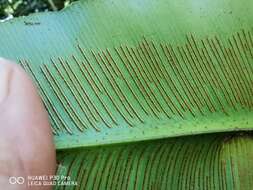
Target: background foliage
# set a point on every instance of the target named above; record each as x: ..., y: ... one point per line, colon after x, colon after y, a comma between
x: 15, y: 8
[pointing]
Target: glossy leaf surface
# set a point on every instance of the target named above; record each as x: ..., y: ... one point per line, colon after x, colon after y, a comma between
x: 113, y: 71
x: 219, y: 162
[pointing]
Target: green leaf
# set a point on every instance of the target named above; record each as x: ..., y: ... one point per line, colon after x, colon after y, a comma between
x: 219, y: 162
x: 126, y: 71
x: 113, y: 71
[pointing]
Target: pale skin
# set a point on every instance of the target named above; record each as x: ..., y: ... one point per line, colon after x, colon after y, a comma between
x: 26, y: 140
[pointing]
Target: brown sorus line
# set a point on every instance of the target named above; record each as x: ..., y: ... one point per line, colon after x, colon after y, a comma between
x: 59, y: 93
x: 149, y: 80
x: 46, y: 99
x: 138, y: 85
x: 89, y: 99
x: 159, y: 81
x: 95, y: 89
x: 135, y: 64
x: 109, y: 95
x: 64, y: 78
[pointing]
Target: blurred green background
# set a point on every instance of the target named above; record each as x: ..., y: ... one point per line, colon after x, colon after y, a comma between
x: 15, y: 8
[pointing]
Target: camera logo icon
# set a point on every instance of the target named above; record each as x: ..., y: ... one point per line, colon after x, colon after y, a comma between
x: 16, y: 180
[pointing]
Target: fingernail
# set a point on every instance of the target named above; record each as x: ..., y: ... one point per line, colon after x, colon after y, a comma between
x: 5, y: 76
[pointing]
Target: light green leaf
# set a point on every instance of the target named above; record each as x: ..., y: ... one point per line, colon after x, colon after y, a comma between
x: 125, y: 71
x: 151, y: 89
x: 219, y: 162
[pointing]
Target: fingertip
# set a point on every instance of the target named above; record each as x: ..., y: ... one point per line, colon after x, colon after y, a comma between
x: 25, y: 118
